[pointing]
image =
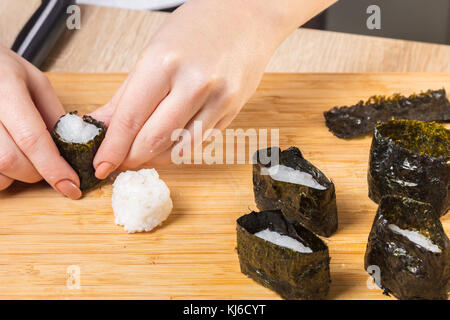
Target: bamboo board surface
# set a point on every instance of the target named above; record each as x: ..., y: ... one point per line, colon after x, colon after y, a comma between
x: 192, y: 256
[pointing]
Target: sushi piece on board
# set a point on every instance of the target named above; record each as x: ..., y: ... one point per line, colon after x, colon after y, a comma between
x: 360, y: 119
x: 284, y: 257
x: 408, y: 252
x: 300, y: 190
x: 78, y: 140
x: 411, y: 159
x: 140, y: 200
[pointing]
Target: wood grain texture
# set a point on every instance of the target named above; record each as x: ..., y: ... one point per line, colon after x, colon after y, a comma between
x: 193, y: 254
x: 111, y: 39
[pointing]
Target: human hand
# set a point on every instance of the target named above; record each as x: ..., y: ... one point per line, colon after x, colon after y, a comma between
x: 29, y: 108
x: 202, y: 65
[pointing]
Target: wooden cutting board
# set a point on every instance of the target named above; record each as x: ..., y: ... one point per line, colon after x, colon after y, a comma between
x: 44, y: 236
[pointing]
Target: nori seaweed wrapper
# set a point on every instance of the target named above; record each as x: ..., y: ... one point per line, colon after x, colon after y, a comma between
x: 411, y: 159
x: 406, y: 269
x: 315, y: 209
x: 291, y: 274
x: 81, y: 155
x: 360, y: 119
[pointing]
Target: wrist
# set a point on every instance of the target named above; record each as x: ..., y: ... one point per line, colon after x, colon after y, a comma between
x: 274, y: 20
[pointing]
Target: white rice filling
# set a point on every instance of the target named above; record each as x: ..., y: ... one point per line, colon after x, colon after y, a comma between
x: 71, y: 128
x: 416, y: 237
x: 290, y: 175
x: 282, y: 240
x: 140, y: 200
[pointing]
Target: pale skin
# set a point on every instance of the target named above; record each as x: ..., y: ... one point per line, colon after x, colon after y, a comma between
x: 204, y: 63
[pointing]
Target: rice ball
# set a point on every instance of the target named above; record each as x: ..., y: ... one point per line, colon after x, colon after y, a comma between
x: 140, y: 200
x: 72, y: 128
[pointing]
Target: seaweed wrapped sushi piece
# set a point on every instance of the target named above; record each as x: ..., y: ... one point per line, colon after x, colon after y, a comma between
x: 284, y: 257
x: 296, y: 187
x: 360, y: 119
x: 409, y: 249
x: 411, y: 159
x: 78, y: 140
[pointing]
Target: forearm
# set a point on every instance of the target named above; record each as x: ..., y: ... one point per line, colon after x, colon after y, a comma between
x: 282, y: 16
x: 264, y: 23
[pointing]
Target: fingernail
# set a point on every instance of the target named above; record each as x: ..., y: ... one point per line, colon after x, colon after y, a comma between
x: 69, y: 189
x: 103, y: 170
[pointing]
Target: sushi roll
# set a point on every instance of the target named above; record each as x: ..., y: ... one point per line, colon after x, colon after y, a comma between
x: 140, y: 200
x: 297, y: 188
x: 78, y: 140
x: 409, y: 247
x: 361, y: 119
x: 411, y: 159
x: 284, y: 257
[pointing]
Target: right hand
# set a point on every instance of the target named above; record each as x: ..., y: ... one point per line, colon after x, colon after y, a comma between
x: 29, y: 108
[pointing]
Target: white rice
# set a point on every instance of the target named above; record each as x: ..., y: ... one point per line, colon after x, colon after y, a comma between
x: 282, y: 240
x: 72, y: 128
x: 416, y: 237
x: 287, y: 174
x: 140, y: 200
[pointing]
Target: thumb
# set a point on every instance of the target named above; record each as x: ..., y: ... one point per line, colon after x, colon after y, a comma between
x: 104, y: 113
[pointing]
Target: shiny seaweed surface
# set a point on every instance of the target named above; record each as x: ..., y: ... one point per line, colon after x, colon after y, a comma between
x: 292, y: 274
x: 315, y: 209
x: 419, y: 136
x: 81, y: 155
x: 360, y: 119
x: 411, y: 159
x: 407, y: 270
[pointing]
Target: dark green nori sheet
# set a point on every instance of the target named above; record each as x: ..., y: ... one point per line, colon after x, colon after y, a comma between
x: 292, y: 274
x: 407, y: 270
x: 81, y: 156
x: 411, y: 159
x: 315, y: 209
x: 360, y: 119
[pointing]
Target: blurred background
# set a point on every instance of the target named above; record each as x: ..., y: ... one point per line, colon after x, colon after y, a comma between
x: 419, y: 20
x: 414, y: 36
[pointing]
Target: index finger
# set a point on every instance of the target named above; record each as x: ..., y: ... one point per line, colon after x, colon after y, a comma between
x: 25, y: 125
x: 140, y: 95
